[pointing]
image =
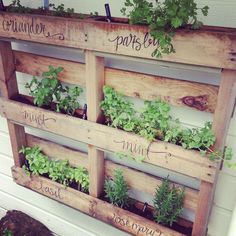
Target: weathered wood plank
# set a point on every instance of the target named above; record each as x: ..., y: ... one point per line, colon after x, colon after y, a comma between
x: 176, y: 92
x: 74, y: 72
x: 148, y: 183
x: 206, y: 45
x: 58, y: 152
x: 222, y: 117
x: 77, y: 158
x: 94, y: 207
x: 158, y: 153
x: 94, y: 84
x: 9, y: 88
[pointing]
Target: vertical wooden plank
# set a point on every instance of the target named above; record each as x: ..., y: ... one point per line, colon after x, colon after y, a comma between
x: 94, y: 84
x: 9, y: 88
x: 222, y: 117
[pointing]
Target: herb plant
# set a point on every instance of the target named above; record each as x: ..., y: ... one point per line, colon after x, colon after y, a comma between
x: 57, y: 170
x: 168, y: 203
x: 60, y: 10
x: 163, y: 19
x: 16, y: 6
x: 117, y: 190
x: 50, y: 89
x: 156, y: 123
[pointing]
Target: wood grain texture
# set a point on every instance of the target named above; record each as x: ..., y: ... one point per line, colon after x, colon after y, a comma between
x: 176, y: 92
x: 206, y: 45
x: 199, y: 96
x: 94, y: 207
x: 147, y: 183
x: 221, y: 120
x: 9, y: 89
x: 58, y: 152
x: 158, y: 153
x: 77, y: 158
x: 94, y: 84
x: 74, y: 72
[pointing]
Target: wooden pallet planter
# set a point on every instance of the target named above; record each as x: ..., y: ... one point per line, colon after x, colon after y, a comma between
x: 204, y: 47
x: 123, y: 39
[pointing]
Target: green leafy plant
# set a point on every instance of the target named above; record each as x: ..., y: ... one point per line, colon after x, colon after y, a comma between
x: 168, y: 203
x: 50, y: 89
x: 56, y: 170
x: 154, y: 122
x: 16, y: 6
x: 7, y: 232
x: 117, y: 190
x: 60, y: 10
x: 163, y: 19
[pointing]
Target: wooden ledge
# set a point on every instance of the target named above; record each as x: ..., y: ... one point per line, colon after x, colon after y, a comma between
x: 158, y: 153
x: 122, y: 219
x: 212, y: 47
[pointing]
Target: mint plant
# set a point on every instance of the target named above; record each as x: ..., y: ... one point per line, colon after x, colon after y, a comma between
x: 163, y: 18
x: 56, y: 170
x: 50, y: 89
x: 168, y: 203
x: 117, y: 190
x: 156, y: 123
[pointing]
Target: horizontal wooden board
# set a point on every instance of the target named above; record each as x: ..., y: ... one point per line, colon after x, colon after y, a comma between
x: 76, y: 158
x: 59, y: 152
x: 74, y: 73
x: 213, y: 47
x: 96, y: 208
x: 202, y: 97
x: 158, y: 153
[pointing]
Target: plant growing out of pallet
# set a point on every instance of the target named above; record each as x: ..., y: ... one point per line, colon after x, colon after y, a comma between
x: 163, y: 19
x: 50, y: 90
x: 117, y: 190
x: 57, y: 170
x: 156, y: 123
x: 16, y: 6
x: 168, y: 203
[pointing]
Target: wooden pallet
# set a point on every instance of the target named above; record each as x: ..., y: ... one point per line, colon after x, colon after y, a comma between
x: 203, y: 47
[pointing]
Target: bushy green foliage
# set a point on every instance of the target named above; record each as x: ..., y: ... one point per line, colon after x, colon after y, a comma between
x: 60, y: 10
x: 16, y: 6
x: 117, y: 190
x: 155, y: 122
x: 50, y: 89
x: 57, y: 170
x: 163, y: 18
x: 168, y: 203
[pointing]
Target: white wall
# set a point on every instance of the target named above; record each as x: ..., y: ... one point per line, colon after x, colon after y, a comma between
x: 66, y: 221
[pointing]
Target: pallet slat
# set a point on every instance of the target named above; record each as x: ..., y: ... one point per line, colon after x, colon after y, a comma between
x: 94, y: 207
x: 162, y: 154
x: 59, y: 152
x: 202, y: 97
x: 74, y: 72
x: 77, y: 158
x: 206, y: 45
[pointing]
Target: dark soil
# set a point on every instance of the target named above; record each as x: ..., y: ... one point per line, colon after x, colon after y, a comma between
x: 17, y: 223
x: 148, y: 214
x: 29, y: 101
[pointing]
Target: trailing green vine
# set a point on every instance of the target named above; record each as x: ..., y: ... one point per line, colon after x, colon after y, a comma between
x: 56, y: 170
x: 154, y: 122
x: 163, y: 18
